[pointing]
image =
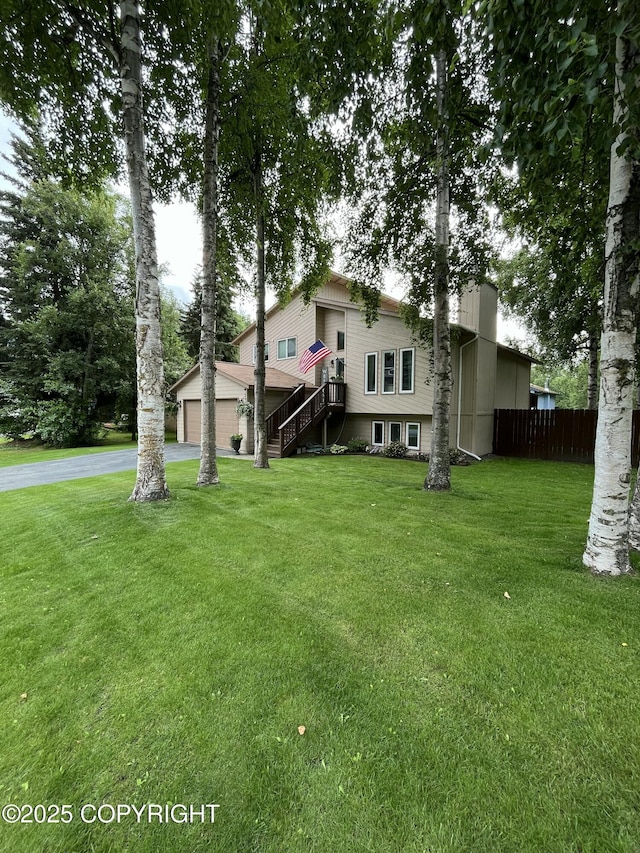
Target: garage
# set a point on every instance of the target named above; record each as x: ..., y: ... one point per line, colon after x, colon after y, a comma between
x: 191, y: 409
x: 226, y: 421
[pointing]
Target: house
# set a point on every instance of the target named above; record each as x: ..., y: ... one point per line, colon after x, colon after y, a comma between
x: 542, y: 398
x: 376, y: 383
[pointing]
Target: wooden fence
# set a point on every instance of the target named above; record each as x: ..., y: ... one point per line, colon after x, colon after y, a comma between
x: 566, y: 435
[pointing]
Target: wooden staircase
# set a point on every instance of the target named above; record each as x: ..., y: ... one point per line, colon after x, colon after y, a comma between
x: 297, y: 416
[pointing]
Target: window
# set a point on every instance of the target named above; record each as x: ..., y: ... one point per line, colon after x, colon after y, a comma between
x: 377, y: 433
x: 389, y: 372
x: 339, y: 368
x: 287, y: 348
x: 255, y: 350
x: 371, y: 373
x: 413, y: 436
x: 340, y: 345
x: 395, y: 431
x: 406, y: 371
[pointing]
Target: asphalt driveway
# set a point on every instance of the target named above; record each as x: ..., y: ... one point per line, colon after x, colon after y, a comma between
x: 93, y: 465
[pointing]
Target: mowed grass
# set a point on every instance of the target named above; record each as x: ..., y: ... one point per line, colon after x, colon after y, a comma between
x: 168, y: 653
x: 23, y: 452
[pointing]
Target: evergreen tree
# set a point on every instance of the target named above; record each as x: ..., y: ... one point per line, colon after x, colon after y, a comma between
x: 174, y: 349
x: 68, y: 299
x: 229, y: 323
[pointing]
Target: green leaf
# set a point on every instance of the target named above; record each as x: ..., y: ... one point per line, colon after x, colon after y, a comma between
x: 591, y: 95
x: 566, y: 62
x: 620, y: 27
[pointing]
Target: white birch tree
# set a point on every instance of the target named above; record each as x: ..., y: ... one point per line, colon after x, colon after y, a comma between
x: 607, y: 550
x: 553, y: 67
x: 427, y: 126
x: 278, y: 167
x: 150, y: 478
x: 208, y: 471
x: 439, y: 473
x: 81, y: 67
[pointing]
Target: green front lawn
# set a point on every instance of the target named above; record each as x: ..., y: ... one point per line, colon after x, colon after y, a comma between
x: 168, y: 653
x: 22, y: 452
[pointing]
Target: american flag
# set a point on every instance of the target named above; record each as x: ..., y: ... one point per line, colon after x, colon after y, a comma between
x: 313, y: 355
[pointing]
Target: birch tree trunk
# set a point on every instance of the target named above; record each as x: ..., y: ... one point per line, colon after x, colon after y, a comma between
x: 592, y: 379
x: 439, y: 474
x: 607, y: 550
x: 260, y: 429
x: 208, y: 473
x: 150, y: 478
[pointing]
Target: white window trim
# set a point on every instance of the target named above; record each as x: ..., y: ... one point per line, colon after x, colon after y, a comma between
x: 373, y: 434
x: 394, y: 423
x: 402, y: 390
x: 406, y: 435
x: 366, y: 372
x: 254, y: 352
x: 395, y: 360
x: 286, y: 357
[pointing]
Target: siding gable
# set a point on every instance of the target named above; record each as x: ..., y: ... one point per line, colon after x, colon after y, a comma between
x: 330, y: 311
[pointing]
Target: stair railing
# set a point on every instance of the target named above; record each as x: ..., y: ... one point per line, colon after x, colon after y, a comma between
x: 284, y: 411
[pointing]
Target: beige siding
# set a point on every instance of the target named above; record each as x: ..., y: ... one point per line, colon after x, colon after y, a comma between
x: 191, y: 389
x: 334, y: 291
x: 388, y: 333
x: 227, y: 389
x: 473, y: 431
x: 478, y: 309
x: 297, y: 321
x: 512, y: 385
x: 486, y: 377
x: 361, y: 426
x: 272, y: 401
x: 330, y: 321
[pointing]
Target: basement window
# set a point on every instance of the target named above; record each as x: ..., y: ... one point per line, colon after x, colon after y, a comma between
x: 413, y: 436
x: 377, y: 433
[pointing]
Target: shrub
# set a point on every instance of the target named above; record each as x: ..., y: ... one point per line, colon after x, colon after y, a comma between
x: 396, y: 450
x: 63, y: 424
x: 338, y: 448
x: 357, y: 445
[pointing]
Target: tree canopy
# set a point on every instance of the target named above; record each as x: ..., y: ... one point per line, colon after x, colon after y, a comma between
x: 66, y: 289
